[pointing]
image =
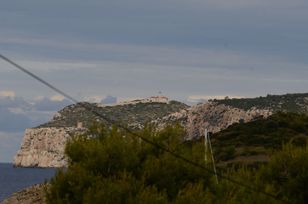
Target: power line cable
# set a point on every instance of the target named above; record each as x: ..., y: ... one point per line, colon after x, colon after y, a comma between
x: 90, y: 108
x: 39, y: 79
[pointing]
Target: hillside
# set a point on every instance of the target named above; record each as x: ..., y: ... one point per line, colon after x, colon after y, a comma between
x: 253, y: 142
x: 217, y: 115
x: 214, y: 115
x: 133, y: 115
x: 297, y: 103
x: 44, y: 145
x: 112, y: 168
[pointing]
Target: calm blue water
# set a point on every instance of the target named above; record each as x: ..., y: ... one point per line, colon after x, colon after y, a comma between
x: 15, y: 179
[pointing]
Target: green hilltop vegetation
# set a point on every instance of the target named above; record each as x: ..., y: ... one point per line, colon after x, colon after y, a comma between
x: 253, y: 142
x: 297, y: 103
x: 136, y: 115
x: 112, y: 166
x: 132, y: 115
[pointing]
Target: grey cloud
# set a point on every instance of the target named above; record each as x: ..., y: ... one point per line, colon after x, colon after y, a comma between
x: 45, y: 104
x: 214, y: 77
x: 162, y: 55
x: 16, y: 114
x: 263, y: 26
x: 12, y: 122
x: 116, y: 46
x: 9, y: 102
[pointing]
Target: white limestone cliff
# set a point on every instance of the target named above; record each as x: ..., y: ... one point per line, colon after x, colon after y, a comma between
x: 218, y: 117
x: 211, y: 116
x: 44, y: 147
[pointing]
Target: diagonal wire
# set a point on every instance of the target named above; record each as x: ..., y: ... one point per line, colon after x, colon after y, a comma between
x: 90, y: 108
x: 39, y: 79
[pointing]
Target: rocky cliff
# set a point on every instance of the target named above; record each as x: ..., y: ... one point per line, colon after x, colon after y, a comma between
x: 217, y: 115
x: 212, y: 116
x: 215, y: 118
x: 44, y: 146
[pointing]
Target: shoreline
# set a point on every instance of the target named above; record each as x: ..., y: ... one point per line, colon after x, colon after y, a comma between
x: 34, y: 194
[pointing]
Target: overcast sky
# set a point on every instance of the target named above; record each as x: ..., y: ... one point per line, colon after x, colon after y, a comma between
x: 187, y: 49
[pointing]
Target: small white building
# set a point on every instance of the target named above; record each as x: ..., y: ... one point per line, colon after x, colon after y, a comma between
x: 158, y: 99
x: 79, y: 125
x: 152, y: 99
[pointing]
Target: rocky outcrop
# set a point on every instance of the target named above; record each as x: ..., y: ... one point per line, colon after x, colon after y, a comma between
x: 44, y: 147
x: 212, y: 116
x: 215, y: 118
x: 32, y: 195
x: 133, y: 114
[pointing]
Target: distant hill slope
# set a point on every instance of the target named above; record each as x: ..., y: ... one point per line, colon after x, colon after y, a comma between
x: 133, y: 115
x: 43, y: 146
x: 297, y: 103
x: 253, y: 142
x: 217, y: 115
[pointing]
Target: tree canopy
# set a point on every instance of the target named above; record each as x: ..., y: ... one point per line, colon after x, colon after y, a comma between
x: 108, y: 165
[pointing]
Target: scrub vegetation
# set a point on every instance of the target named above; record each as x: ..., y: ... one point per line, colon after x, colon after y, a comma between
x: 108, y: 165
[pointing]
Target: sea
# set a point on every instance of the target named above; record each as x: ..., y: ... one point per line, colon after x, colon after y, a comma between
x: 15, y: 179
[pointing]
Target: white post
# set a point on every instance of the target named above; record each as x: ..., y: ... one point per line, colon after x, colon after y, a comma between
x: 214, y: 166
x: 205, y: 146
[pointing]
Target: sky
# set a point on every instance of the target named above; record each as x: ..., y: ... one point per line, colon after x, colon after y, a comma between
x: 188, y: 50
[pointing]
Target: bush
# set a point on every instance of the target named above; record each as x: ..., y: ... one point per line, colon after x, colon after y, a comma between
x: 111, y: 166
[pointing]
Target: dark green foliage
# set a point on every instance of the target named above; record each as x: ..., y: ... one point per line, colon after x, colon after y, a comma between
x: 256, y: 140
x: 285, y: 176
x: 112, y: 166
x: 131, y: 114
x: 227, y: 153
x: 115, y: 167
x: 288, y: 173
x: 287, y: 103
